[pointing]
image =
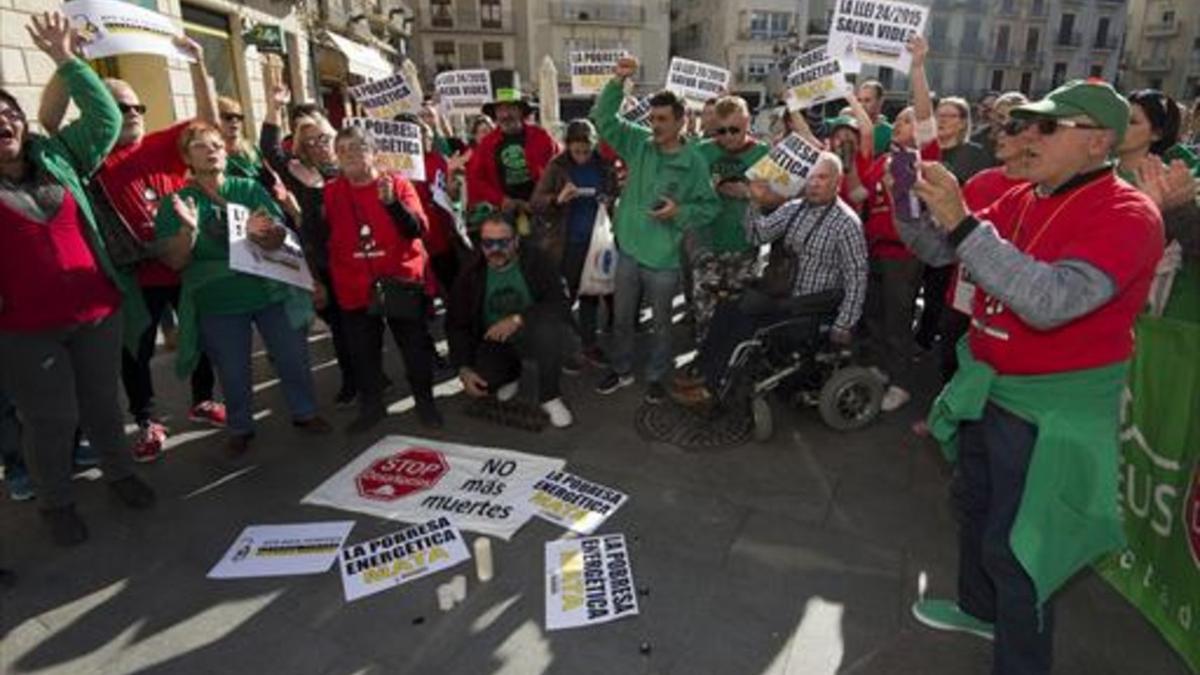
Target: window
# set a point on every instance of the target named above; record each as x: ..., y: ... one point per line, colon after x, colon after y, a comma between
x: 444, y: 56
x: 1026, y: 82
x: 767, y: 25
x: 211, y: 30
x: 1156, y: 83
x: 997, y: 80
x: 1065, y: 29
x: 493, y: 51
x: 885, y: 77
x: 937, y: 35
x: 756, y: 68
x: 1032, y: 38
x: 440, y: 14
x: 1059, y: 76
x: 489, y: 13
x: 1169, y: 16
x: 1097, y: 70
x: 1002, y: 39
x: 1102, y: 32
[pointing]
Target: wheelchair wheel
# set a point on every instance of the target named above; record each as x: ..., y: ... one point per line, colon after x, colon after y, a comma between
x: 764, y: 425
x: 850, y: 399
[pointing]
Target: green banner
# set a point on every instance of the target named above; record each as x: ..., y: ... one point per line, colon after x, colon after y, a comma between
x: 1159, y: 572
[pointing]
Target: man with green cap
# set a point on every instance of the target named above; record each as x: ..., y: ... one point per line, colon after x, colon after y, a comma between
x: 1061, y: 269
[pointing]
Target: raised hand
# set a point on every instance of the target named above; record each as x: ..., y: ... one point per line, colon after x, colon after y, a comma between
x: 52, y: 33
x: 919, y: 47
x: 190, y: 48
x: 626, y: 67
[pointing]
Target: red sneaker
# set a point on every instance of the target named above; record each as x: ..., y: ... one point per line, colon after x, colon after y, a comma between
x: 149, y: 444
x: 208, y: 412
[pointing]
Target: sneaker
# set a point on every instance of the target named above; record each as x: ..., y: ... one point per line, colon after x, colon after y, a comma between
x: 85, y: 456
x: 560, y: 415
x: 18, y: 484
x: 894, y: 398
x: 595, y: 356
x: 208, y: 412
x: 946, y: 615
x: 655, y: 393
x: 508, y: 392
x: 345, y: 399
x: 133, y: 492
x: 366, y: 420
x: 573, y: 365
x: 66, y: 528
x: 612, y: 382
x: 429, y: 416
x: 149, y: 444
x: 315, y: 425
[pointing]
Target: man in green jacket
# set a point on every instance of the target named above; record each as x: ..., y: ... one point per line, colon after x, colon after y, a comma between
x: 668, y: 190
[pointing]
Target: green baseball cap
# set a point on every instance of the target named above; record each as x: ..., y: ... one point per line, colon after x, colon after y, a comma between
x: 1092, y: 97
x: 841, y: 121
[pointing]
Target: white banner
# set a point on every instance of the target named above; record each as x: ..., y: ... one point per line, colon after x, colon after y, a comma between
x: 589, y: 581
x: 398, y: 145
x: 386, y: 98
x: 787, y: 166
x: 283, y: 550
x: 875, y: 31
x: 696, y: 82
x: 637, y: 110
x: 285, y: 264
x: 815, y: 78
x: 463, y: 91
x: 591, y: 70
x: 413, y: 480
x: 112, y: 27
x: 575, y: 503
x: 388, y: 561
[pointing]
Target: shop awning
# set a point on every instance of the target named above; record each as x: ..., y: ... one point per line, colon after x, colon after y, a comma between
x: 362, y: 60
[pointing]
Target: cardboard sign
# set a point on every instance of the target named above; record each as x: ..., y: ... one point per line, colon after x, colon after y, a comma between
x: 394, y: 559
x: 414, y: 480
x: 282, y: 550
x: 112, y: 27
x: 638, y: 111
x: 815, y: 78
x: 577, y: 504
x: 591, y: 70
x: 398, y: 146
x: 875, y: 31
x: 787, y: 166
x: 589, y: 581
x: 463, y: 91
x: 386, y: 98
x: 696, y: 82
x: 285, y: 264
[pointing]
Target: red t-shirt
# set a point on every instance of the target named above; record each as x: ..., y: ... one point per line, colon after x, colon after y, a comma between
x: 136, y: 179
x: 386, y: 251
x: 987, y: 186
x: 878, y: 226
x: 1106, y: 223
x: 50, y: 278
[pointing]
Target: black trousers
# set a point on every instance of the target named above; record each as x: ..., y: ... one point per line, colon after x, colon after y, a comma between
x: 332, y: 316
x: 989, y: 480
x: 935, y: 282
x: 888, y: 315
x: 135, y: 368
x: 364, y: 341
x: 540, y: 340
x: 574, y: 257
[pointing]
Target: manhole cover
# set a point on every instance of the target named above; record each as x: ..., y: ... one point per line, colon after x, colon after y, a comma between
x: 668, y: 422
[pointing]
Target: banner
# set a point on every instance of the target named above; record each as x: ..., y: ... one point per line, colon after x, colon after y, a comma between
x: 577, y: 504
x: 285, y: 264
x: 589, y: 581
x: 413, y: 480
x: 816, y: 78
x: 1159, y: 571
x: 283, y: 550
x: 696, y: 82
x: 591, y: 70
x: 875, y: 31
x: 787, y: 166
x: 637, y: 111
x: 386, y: 98
x: 398, y: 145
x: 394, y: 559
x: 463, y: 91
x: 112, y: 27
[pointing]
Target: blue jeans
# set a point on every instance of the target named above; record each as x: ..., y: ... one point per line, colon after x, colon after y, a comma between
x: 227, y: 341
x: 632, y: 281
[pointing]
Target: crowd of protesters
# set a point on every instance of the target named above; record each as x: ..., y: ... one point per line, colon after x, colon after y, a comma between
x: 1034, y: 229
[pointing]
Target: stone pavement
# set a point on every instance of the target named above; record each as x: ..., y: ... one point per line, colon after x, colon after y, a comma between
x: 797, y: 556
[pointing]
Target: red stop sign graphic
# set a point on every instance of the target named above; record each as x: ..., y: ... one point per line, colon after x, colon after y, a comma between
x: 402, y: 474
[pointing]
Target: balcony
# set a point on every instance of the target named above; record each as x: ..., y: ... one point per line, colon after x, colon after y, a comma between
x: 762, y: 35
x: 598, y: 13
x: 442, y: 19
x: 1068, y: 40
x: 1031, y: 59
x: 1106, y: 43
x: 1156, y: 64
x: 1002, y: 56
x: 1162, y: 28
x: 818, y: 28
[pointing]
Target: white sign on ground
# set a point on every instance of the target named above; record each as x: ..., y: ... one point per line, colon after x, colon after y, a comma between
x: 394, y: 559
x: 112, y: 27
x: 696, y: 82
x: 875, y: 31
x: 283, y: 550
x: 285, y: 264
x: 589, y: 581
x: 575, y: 503
x: 398, y: 145
x: 787, y: 166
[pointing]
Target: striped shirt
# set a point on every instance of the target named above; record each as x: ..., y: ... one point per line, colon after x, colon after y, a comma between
x: 833, y: 257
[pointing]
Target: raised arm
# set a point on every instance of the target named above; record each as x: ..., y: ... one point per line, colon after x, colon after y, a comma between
x: 922, y: 101
x: 202, y: 86
x: 866, y: 128
x: 621, y: 134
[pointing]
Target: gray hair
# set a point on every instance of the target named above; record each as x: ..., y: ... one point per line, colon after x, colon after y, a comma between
x: 964, y: 110
x: 359, y: 134
x: 827, y: 157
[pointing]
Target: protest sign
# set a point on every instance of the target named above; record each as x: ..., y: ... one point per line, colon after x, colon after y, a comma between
x: 787, y: 166
x: 413, y: 480
x: 112, y: 27
x: 638, y: 111
x: 388, y: 561
x: 398, y: 145
x: 875, y: 31
x: 386, y: 98
x: 815, y: 78
x: 696, y: 82
x: 463, y: 91
x: 285, y: 264
x: 577, y: 504
x: 589, y: 581
x: 283, y: 550
x: 592, y: 69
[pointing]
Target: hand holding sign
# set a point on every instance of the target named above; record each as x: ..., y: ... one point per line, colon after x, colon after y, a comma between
x: 189, y: 48
x: 264, y: 231
x: 626, y: 67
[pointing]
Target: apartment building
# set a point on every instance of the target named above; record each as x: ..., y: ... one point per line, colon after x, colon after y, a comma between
x: 1162, y: 49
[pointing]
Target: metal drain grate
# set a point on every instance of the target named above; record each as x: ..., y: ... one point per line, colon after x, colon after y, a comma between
x: 668, y: 422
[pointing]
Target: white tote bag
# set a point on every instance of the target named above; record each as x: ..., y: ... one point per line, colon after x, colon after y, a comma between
x: 600, y: 266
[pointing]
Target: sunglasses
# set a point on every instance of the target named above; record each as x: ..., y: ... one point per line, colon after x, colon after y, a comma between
x: 125, y: 108
x: 1046, y: 126
x: 727, y: 131
x: 317, y: 140
x: 495, y: 244
x: 233, y: 117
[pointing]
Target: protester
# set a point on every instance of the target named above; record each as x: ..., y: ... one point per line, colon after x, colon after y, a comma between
x: 244, y: 160
x: 1062, y: 268
x: 576, y: 185
x: 376, y: 223
x: 1155, y: 123
x: 668, y: 191
x: 443, y: 132
x: 509, y: 305
x: 826, y: 238
x: 870, y: 96
x: 481, y: 126
x: 983, y: 131
x: 445, y: 244
x: 219, y: 306
x: 62, y: 300
x: 708, y: 117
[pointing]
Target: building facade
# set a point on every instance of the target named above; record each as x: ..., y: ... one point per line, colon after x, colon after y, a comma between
x: 465, y: 34
x: 1162, y: 49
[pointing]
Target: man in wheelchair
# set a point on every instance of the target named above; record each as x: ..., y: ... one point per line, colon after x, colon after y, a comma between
x: 826, y: 279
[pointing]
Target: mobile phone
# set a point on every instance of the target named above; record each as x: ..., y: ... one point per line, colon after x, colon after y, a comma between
x: 904, y: 175
x: 586, y: 191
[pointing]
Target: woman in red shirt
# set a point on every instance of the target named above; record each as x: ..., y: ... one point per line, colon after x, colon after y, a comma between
x: 375, y: 227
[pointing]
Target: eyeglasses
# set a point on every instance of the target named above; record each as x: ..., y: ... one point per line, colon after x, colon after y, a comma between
x: 233, y: 117
x: 126, y: 108
x: 1046, y: 126
x: 11, y: 114
x: 317, y: 140
x: 495, y: 243
x: 727, y: 131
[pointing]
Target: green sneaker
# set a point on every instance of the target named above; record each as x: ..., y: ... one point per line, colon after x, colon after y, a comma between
x: 946, y: 615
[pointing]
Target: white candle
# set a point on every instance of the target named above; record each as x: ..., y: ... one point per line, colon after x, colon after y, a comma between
x: 483, y: 558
